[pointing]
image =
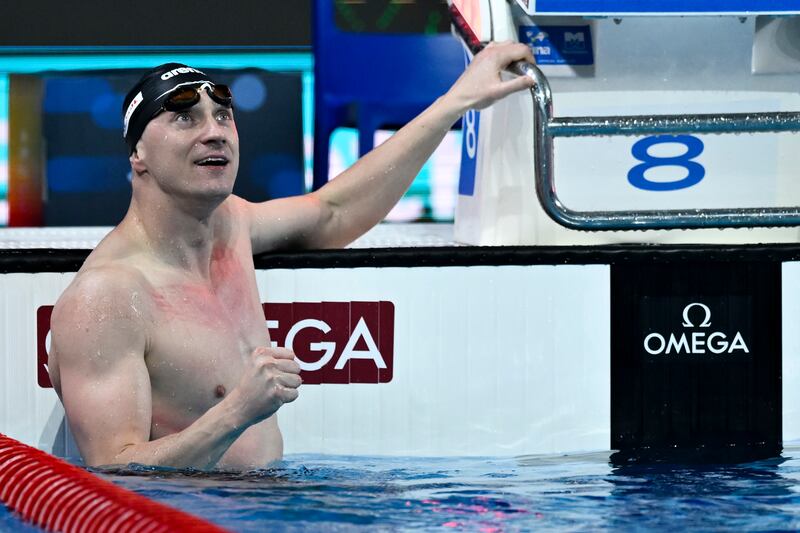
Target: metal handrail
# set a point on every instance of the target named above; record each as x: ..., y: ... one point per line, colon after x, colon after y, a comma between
x: 547, y: 127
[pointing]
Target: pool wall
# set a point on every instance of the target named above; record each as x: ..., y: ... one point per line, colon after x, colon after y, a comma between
x: 450, y: 351
x: 479, y: 366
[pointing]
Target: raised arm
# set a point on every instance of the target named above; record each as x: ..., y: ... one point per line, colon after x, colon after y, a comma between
x: 360, y: 197
x: 99, y: 341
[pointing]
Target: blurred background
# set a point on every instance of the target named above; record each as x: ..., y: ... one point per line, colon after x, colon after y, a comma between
x: 65, y: 68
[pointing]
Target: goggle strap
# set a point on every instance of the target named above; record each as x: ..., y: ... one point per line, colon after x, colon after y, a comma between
x: 202, y: 83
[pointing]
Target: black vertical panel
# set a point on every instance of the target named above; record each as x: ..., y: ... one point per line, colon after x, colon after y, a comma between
x: 683, y: 398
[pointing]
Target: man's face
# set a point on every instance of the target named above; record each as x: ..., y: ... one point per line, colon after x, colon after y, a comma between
x: 192, y: 153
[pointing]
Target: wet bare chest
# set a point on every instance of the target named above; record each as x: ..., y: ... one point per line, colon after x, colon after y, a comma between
x: 203, y: 334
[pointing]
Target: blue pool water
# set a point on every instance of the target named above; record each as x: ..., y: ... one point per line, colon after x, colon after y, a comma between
x: 480, y: 494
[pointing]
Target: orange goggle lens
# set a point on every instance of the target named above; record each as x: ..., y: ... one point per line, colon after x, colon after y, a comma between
x: 185, y: 97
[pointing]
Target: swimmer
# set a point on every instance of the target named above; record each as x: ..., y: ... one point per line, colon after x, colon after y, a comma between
x: 159, y: 350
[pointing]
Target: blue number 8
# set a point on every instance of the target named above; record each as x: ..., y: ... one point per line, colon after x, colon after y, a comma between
x: 694, y: 147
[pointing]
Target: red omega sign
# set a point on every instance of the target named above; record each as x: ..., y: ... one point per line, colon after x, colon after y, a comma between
x: 335, y: 342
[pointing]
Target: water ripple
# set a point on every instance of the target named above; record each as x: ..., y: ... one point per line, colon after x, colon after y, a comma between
x: 549, y: 493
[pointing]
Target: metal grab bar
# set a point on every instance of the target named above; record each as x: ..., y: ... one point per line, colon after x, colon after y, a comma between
x: 547, y: 127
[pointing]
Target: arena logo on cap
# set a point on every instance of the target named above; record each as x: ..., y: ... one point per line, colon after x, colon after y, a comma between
x: 336, y: 342
x: 181, y: 70
x: 697, y: 342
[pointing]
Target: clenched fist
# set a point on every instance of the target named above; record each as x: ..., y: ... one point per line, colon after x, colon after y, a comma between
x: 270, y: 381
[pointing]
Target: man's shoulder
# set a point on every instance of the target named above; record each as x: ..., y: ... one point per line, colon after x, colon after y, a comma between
x: 236, y: 219
x: 107, y: 288
x: 118, y: 263
x: 109, y: 278
x: 104, y: 307
x: 236, y: 209
x: 101, y: 312
x: 242, y: 210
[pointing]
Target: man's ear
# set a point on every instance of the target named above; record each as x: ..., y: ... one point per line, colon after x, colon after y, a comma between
x: 137, y: 163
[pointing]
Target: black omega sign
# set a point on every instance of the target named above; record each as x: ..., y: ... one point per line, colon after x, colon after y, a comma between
x: 695, y: 338
x: 696, y: 358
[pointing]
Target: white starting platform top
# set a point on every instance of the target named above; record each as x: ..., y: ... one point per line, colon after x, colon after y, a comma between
x: 603, y: 8
x: 389, y: 235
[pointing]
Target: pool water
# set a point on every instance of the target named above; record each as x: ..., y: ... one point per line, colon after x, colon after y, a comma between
x: 581, y: 492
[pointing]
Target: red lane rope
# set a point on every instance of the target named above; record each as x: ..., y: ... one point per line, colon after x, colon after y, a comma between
x: 58, y: 496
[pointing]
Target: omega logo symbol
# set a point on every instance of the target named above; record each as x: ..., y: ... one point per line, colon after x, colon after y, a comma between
x: 695, y: 342
x: 706, y: 321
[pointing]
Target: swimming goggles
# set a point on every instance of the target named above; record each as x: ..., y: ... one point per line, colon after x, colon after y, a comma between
x: 182, y: 98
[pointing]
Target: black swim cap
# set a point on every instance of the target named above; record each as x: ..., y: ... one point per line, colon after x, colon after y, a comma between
x: 144, y: 101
